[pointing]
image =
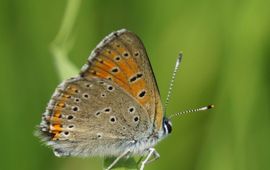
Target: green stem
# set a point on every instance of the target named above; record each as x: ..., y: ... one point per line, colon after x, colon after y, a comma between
x: 63, y: 41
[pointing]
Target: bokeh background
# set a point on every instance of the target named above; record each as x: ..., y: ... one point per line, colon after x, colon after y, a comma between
x: 226, y: 46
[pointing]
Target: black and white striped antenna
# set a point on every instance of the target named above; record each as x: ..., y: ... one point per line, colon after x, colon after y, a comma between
x: 192, y: 110
x: 176, y: 68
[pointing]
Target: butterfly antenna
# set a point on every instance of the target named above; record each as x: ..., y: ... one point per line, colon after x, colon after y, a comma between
x: 192, y: 110
x: 176, y: 68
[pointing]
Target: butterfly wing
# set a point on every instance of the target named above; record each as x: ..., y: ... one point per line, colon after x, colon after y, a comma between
x: 113, y: 99
x: 93, y: 117
x: 122, y: 58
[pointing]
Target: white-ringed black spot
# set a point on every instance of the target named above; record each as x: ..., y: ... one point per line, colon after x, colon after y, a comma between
x: 142, y: 94
x: 71, y: 126
x: 136, y: 54
x: 97, y: 113
x: 135, y: 77
x: 124, y: 128
x: 125, y: 54
x: 66, y: 133
x: 77, y: 100
x: 131, y: 109
x: 86, y: 96
x: 70, y: 117
x: 76, y: 91
x: 115, y: 70
x: 88, y: 85
x: 110, y: 88
x: 132, y: 79
x: 103, y: 95
x: 117, y: 58
x: 75, y: 108
x: 99, y: 135
x: 136, y: 119
x: 139, y: 75
x: 112, y: 119
x: 107, y: 110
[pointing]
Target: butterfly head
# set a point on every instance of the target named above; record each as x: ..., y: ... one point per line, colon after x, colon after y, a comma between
x: 167, y: 126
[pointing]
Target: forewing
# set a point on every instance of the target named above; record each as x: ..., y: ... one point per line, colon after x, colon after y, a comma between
x: 122, y: 58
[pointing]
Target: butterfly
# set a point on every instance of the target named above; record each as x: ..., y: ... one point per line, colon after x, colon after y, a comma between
x: 112, y: 108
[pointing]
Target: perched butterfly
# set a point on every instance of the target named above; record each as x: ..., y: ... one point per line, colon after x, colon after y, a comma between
x: 112, y: 108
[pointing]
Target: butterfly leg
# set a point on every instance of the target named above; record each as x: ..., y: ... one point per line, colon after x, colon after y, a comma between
x: 117, y: 159
x: 151, y: 152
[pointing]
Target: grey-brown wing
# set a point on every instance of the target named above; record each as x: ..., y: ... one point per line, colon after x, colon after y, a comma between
x: 93, y: 117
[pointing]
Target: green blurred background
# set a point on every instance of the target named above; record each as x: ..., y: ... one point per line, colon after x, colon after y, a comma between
x: 226, y: 46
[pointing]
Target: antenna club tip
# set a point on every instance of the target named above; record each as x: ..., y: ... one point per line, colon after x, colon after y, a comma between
x: 210, y: 106
x: 180, y: 55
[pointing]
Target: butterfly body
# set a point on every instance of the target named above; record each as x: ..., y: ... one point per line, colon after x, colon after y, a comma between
x: 112, y: 107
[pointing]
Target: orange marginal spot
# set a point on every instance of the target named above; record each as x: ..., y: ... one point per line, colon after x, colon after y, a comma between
x: 55, y: 120
x: 56, y: 136
x: 66, y: 95
x: 72, y: 89
x: 61, y: 104
x: 57, y: 112
x: 56, y: 127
